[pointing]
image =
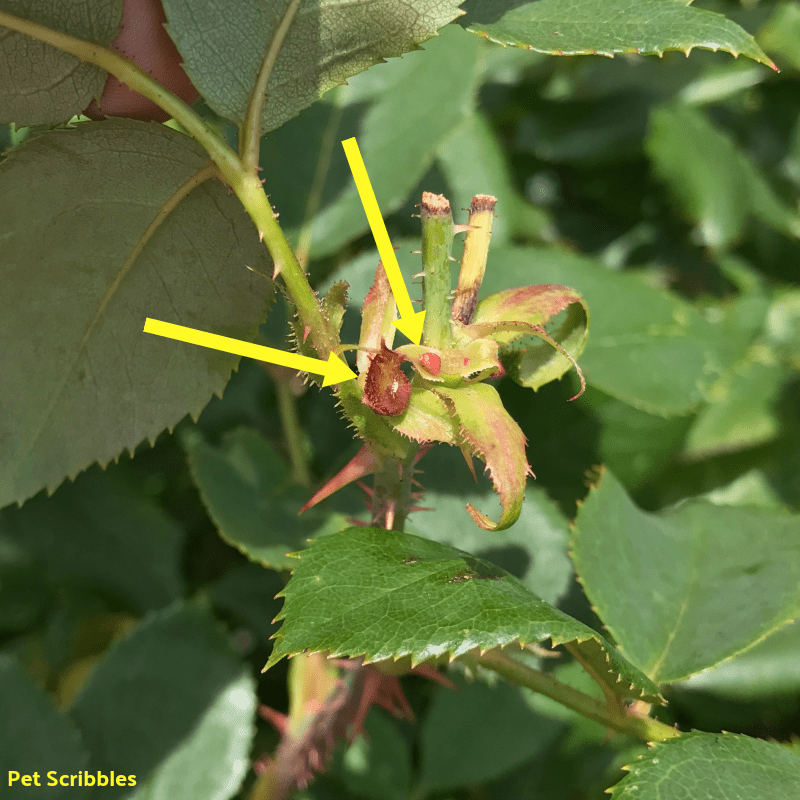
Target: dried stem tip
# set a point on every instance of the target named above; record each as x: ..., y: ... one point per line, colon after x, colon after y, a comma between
x: 473, y: 259
x: 434, y: 204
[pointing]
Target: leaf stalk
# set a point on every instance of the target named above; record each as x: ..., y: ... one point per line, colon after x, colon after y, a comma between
x: 644, y: 728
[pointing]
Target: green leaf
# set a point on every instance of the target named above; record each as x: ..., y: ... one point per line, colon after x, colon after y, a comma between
x: 712, y: 766
x: 742, y: 409
x: 770, y: 669
x: 533, y: 549
x: 35, y: 738
x: 487, y: 431
x: 473, y: 163
x: 509, y: 317
x: 608, y: 27
x: 224, y: 44
x: 250, y: 494
x: 81, y: 382
x: 366, y: 592
x: 712, y: 179
x: 780, y: 36
x: 418, y: 102
x: 633, y: 444
x: 718, y: 578
x: 502, y: 733
x: 172, y: 705
x: 60, y: 86
x: 647, y: 348
x: 377, y: 765
x: 249, y: 592
x: 24, y: 592
x: 100, y: 535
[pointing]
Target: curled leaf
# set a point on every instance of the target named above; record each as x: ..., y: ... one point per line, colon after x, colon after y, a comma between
x: 387, y: 388
x: 486, y: 430
x: 513, y: 317
x: 376, y: 321
x: 478, y: 360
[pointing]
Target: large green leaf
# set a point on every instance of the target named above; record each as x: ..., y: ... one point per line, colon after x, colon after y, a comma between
x: 533, y: 549
x: 84, y: 262
x: 101, y: 536
x: 503, y: 732
x: 418, y: 102
x: 635, y: 445
x: 684, y: 589
x: 742, y: 412
x: 713, y: 180
x: 224, y: 44
x: 647, y: 347
x: 608, y: 27
x: 377, y: 765
x: 712, y: 766
x: 770, y: 669
x: 250, y: 494
x: 40, y: 85
x: 34, y: 737
x: 172, y: 705
x: 382, y: 595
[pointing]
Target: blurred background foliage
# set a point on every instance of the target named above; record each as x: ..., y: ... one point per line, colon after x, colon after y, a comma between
x: 666, y: 189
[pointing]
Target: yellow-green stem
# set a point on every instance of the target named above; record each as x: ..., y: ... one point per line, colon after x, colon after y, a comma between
x: 473, y: 259
x: 644, y: 728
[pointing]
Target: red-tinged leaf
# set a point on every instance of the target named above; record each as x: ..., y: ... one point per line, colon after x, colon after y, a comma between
x: 376, y: 321
x: 387, y: 389
x: 513, y: 316
x: 427, y: 418
x: 478, y: 360
x: 487, y: 431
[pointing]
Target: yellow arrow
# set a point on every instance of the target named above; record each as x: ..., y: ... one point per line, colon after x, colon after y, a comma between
x: 334, y: 369
x: 410, y: 322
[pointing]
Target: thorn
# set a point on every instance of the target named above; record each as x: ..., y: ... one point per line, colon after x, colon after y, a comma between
x: 463, y: 228
x: 278, y: 721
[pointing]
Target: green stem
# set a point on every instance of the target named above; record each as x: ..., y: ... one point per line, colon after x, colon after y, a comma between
x: 250, y: 137
x: 391, y: 497
x: 437, y: 241
x: 292, y: 430
x: 644, y: 728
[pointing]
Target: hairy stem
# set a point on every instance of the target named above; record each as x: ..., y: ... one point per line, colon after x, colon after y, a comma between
x: 644, y: 728
x: 437, y: 241
x: 292, y: 430
x: 391, y: 498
